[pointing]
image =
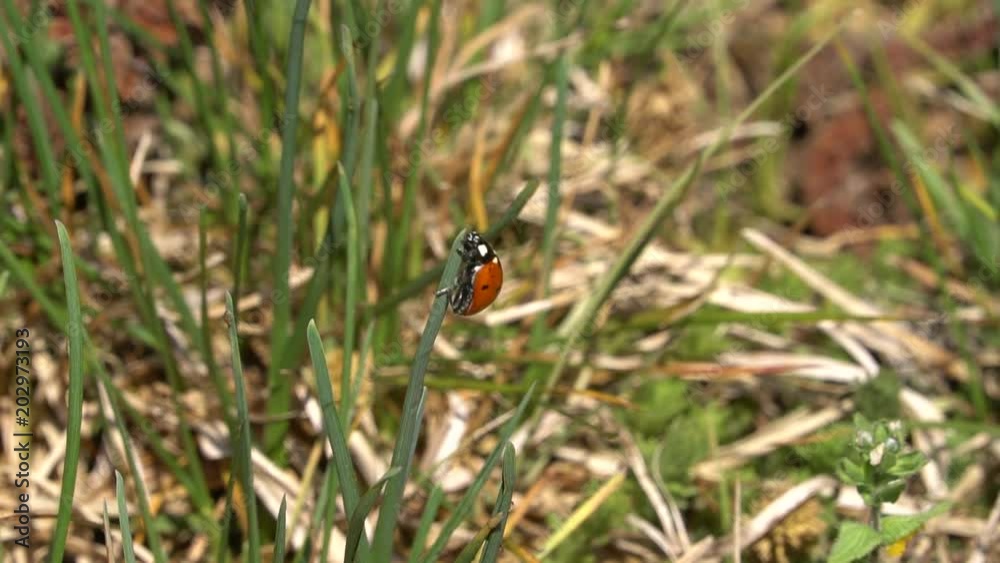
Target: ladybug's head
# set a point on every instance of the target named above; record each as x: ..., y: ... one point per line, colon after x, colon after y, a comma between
x: 475, y: 249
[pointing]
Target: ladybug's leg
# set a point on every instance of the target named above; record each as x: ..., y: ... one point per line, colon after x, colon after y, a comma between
x: 463, y: 251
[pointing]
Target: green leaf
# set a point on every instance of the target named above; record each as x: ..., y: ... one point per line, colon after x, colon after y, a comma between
x: 881, y: 433
x: 895, y: 528
x: 854, y: 541
x: 891, y: 491
x: 861, y: 422
x: 907, y: 464
x: 850, y: 472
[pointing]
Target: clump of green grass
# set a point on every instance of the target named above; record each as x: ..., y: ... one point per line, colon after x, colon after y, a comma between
x: 319, y: 203
x: 147, y: 269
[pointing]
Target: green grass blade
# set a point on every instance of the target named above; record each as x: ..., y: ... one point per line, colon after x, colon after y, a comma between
x: 280, y: 398
x: 366, y: 178
x: 712, y: 316
x: 242, y: 447
x: 328, y: 514
x: 279, y: 533
x: 400, y: 235
x: 356, y: 525
x: 108, y: 539
x: 980, y: 99
x: 239, y: 254
x: 885, y: 146
x: 352, y: 104
x: 426, y: 520
x: 222, y: 550
x: 359, y: 371
x: 903, y: 185
x: 471, y: 548
x: 555, y: 198
x: 372, y: 94
x: 24, y: 274
x: 118, y: 131
x: 490, y: 12
x: 198, y: 86
x: 74, y: 412
x: 314, y: 292
x: 229, y: 161
x: 162, y: 452
x: 142, y: 496
x: 410, y: 423
x: 465, y: 505
x: 206, y: 339
x: 334, y: 430
x: 944, y: 198
x: 352, y: 291
x: 325, y: 497
x: 260, y: 48
x: 393, y: 93
x: 33, y: 50
x: 123, y: 519
x: 492, y: 549
x: 36, y: 120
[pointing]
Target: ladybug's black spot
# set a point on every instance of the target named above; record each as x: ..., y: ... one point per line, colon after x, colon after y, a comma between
x: 485, y: 287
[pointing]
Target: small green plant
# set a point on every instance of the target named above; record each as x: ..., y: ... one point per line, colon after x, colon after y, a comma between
x: 879, y: 467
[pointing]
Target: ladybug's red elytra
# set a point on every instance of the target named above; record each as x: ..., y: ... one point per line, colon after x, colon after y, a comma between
x: 480, y: 278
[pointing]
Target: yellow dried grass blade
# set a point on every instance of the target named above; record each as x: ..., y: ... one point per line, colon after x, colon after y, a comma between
x: 581, y: 514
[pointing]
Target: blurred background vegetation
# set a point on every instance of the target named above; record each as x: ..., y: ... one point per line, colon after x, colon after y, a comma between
x: 726, y: 227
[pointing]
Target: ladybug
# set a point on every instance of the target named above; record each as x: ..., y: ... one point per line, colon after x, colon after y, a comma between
x: 479, y: 279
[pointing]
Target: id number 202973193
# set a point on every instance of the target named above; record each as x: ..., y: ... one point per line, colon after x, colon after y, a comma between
x: 22, y: 435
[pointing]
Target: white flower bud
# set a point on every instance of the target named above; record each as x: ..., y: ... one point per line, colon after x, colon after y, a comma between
x: 864, y: 439
x: 875, y: 456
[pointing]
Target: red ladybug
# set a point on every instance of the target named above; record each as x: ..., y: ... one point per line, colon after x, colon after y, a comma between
x: 480, y: 278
